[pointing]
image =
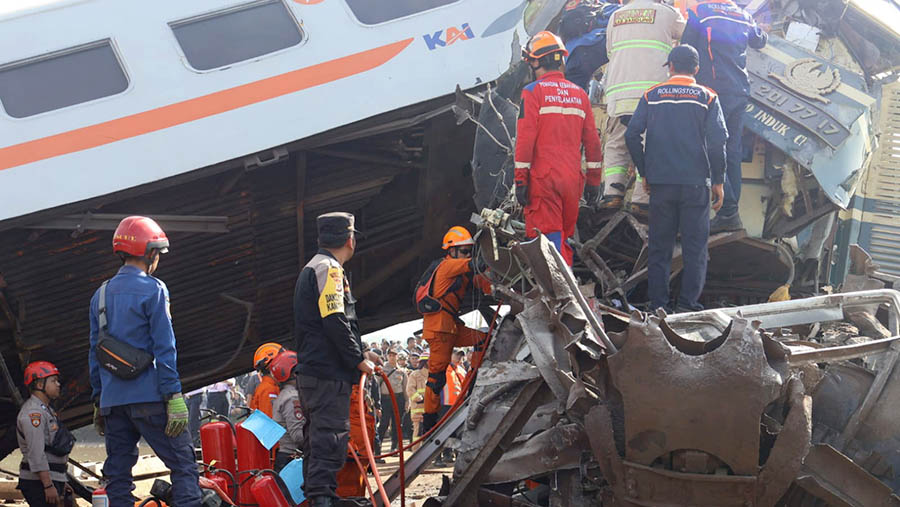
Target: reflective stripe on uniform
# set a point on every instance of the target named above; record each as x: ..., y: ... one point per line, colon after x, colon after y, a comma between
x: 573, y: 111
x: 669, y: 101
x: 726, y: 18
x: 594, y: 165
x: 630, y: 85
x: 523, y: 165
x: 616, y: 169
x: 641, y: 43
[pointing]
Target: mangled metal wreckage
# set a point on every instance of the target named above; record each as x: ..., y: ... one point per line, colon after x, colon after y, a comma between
x: 811, y: 142
x: 791, y: 403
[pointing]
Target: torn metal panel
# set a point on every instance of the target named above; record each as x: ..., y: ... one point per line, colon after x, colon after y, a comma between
x: 830, y: 475
x: 812, y: 110
x: 559, y: 448
x: 669, y: 409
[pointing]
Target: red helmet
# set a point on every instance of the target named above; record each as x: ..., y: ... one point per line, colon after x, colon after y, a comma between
x: 138, y: 235
x: 38, y: 370
x: 282, y: 365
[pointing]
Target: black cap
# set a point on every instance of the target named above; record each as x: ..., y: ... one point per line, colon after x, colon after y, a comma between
x: 684, y: 57
x: 334, y: 228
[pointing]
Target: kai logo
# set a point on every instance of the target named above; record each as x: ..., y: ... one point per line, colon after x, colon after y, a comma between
x: 439, y: 40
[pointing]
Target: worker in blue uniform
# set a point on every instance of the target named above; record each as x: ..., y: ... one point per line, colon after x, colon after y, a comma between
x: 135, y: 385
x: 721, y: 32
x: 682, y: 159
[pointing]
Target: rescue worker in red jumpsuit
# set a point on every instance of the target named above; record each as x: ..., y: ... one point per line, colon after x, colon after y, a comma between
x: 555, y: 120
x: 444, y: 330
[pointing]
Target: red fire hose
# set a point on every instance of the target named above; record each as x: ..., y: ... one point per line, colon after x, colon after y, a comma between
x: 400, y: 448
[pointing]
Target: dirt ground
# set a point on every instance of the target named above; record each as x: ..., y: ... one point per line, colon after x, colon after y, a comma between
x: 90, y: 452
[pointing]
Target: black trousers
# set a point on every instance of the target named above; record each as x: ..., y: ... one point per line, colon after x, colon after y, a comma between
x: 326, y: 406
x: 674, y: 209
x: 218, y: 402
x: 387, y: 419
x: 33, y: 491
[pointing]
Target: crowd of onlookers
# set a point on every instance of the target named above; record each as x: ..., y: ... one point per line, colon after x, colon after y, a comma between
x: 406, y: 367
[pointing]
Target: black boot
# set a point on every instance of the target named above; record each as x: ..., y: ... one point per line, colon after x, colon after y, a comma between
x: 722, y: 223
x: 321, y: 501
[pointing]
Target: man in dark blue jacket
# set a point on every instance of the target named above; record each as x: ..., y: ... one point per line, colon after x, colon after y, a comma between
x: 684, y: 155
x: 150, y: 405
x: 330, y: 356
x: 721, y: 32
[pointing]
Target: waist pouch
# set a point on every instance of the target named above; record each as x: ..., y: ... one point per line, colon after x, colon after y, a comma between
x: 62, y: 443
x: 118, y: 357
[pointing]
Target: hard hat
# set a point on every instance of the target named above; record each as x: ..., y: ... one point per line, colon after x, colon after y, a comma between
x: 543, y: 44
x: 282, y: 365
x: 265, y: 353
x: 38, y: 370
x: 457, y: 236
x: 138, y: 235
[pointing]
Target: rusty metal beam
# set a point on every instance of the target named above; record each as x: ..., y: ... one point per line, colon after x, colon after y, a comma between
x: 109, y: 221
x: 465, y: 489
x: 862, y: 412
x: 844, y: 352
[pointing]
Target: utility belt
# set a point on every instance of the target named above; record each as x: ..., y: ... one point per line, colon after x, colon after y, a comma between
x: 54, y: 467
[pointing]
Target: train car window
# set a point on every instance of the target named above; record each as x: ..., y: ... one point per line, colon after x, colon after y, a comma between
x: 234, y: 35
x: 372, y: 12
x: 60, y: 79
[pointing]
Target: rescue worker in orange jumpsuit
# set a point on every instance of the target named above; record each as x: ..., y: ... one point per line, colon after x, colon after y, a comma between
x: 443, y: 330
x: 268, y: 389
x: 555, y: 120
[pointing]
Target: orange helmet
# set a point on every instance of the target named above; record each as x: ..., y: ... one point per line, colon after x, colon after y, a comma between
x: 265, y: 353
x: 543, y: 44
x: 282, y: 366
x: 457, y: 236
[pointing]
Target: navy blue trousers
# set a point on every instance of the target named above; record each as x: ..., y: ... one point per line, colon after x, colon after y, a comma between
x: 674, y: 209
x: 733, y: 107
x: 125, y: 425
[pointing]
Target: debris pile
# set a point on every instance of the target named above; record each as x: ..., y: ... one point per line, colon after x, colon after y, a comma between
x: 781, y: 403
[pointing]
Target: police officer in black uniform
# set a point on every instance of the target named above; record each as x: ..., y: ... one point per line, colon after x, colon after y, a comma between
x: 330, y: 356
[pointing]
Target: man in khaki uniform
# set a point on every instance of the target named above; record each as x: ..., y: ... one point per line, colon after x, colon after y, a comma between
x: 638, y: 40
x: 398, y: 379
x: 415, y: 391
x: 45, y: 443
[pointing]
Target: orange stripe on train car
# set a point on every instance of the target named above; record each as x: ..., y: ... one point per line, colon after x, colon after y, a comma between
x: 197, y: 108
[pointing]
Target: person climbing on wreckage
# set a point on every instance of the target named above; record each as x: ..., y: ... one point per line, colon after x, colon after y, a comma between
x: 439, y: 295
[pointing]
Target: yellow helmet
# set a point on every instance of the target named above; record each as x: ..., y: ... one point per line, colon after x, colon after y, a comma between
x: 457, y: 236
x: 265, y: 353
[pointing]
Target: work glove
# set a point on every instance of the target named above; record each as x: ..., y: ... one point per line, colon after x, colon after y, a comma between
x: 177, y: 412
x: 592, y: 194
x: 99, y: 422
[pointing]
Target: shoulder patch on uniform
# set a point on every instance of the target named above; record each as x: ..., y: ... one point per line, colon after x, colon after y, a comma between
x: 635, y: 16
x: 35, y: 419
x: 331, y: 299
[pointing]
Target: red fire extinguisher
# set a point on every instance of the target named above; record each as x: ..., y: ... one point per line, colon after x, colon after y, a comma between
x: 251, y: 456
x: 217, y: 440
x: 265, y: 490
